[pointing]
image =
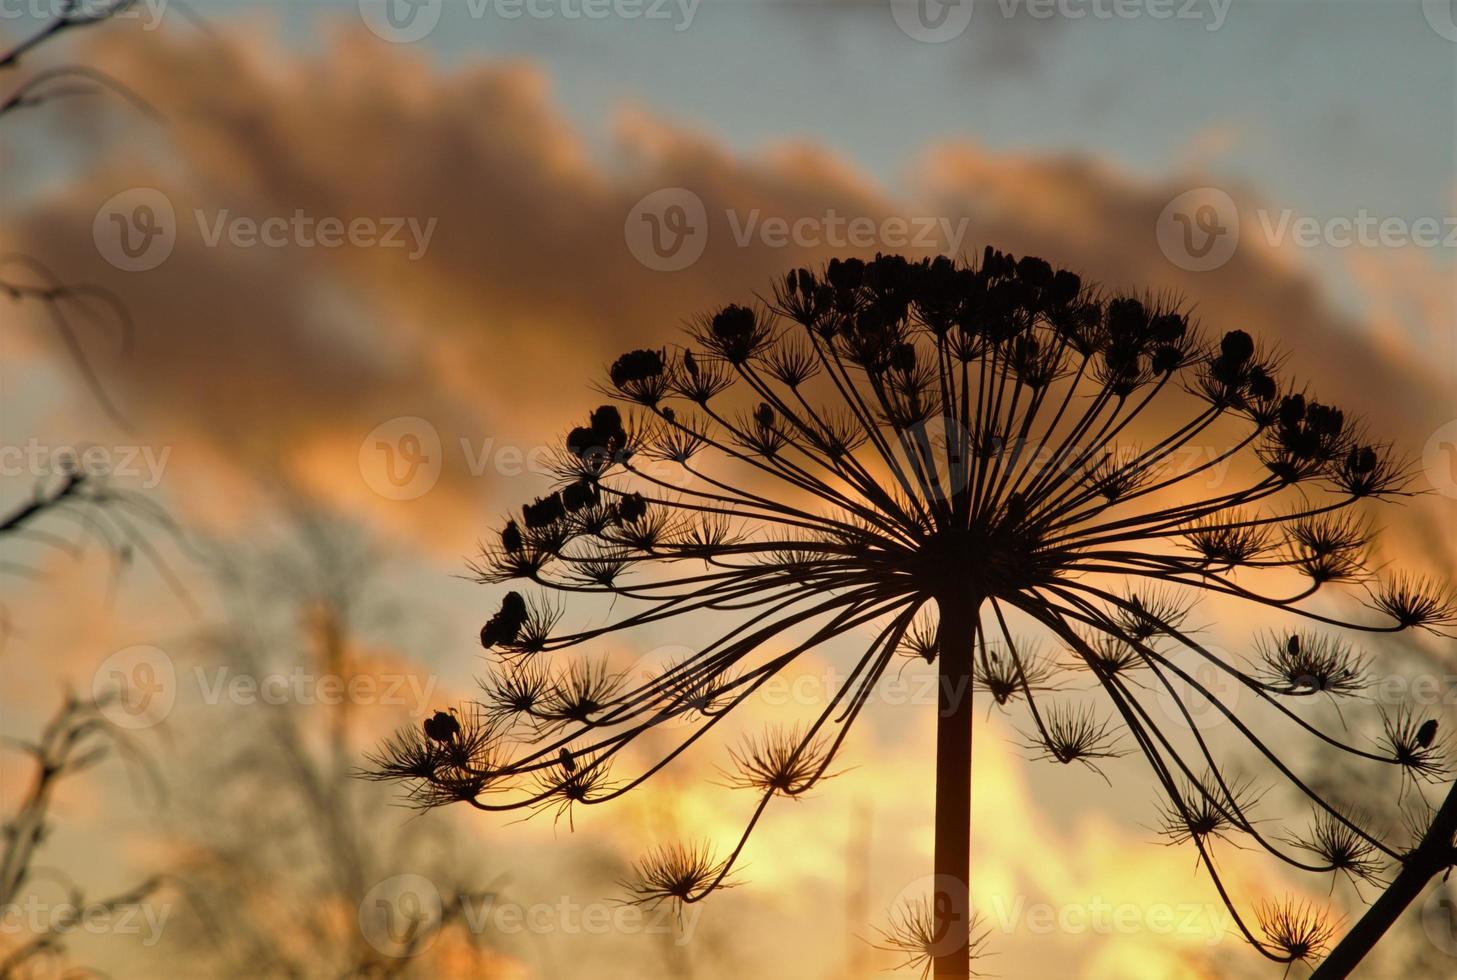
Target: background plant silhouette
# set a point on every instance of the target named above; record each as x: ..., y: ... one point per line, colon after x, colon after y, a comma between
x: 65, y: 509
x: 283, y: 890
x: 968, y: 465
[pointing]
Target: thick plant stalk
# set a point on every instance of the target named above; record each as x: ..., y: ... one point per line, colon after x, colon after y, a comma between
x: 1434, y: 855
x: 955, y: 640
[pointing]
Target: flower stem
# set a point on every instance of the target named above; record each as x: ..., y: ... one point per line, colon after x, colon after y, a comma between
x: 1434, y: 855
x: 955, y: 640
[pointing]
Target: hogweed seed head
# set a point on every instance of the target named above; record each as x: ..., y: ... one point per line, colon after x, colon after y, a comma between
x: 882, y: 441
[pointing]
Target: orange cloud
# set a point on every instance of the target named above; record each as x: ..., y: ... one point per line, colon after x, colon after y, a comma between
x: 275, y: 364
x: 271, y: 367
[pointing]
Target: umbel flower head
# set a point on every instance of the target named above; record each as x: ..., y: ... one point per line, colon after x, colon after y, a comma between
x: 963, y: 464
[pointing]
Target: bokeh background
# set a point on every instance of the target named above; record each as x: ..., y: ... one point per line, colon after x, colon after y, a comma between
x: 333, y: 427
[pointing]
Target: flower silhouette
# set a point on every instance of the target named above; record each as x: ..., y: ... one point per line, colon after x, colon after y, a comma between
x: 966, y: 465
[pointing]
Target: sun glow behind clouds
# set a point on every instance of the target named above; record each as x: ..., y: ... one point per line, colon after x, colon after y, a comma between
x: 535, y: 268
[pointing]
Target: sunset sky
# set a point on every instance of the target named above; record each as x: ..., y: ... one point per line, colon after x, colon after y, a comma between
x: 500, y: 167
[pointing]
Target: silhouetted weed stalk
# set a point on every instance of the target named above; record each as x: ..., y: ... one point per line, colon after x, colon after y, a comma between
x: 938, y: 452
x: 78, y: 737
